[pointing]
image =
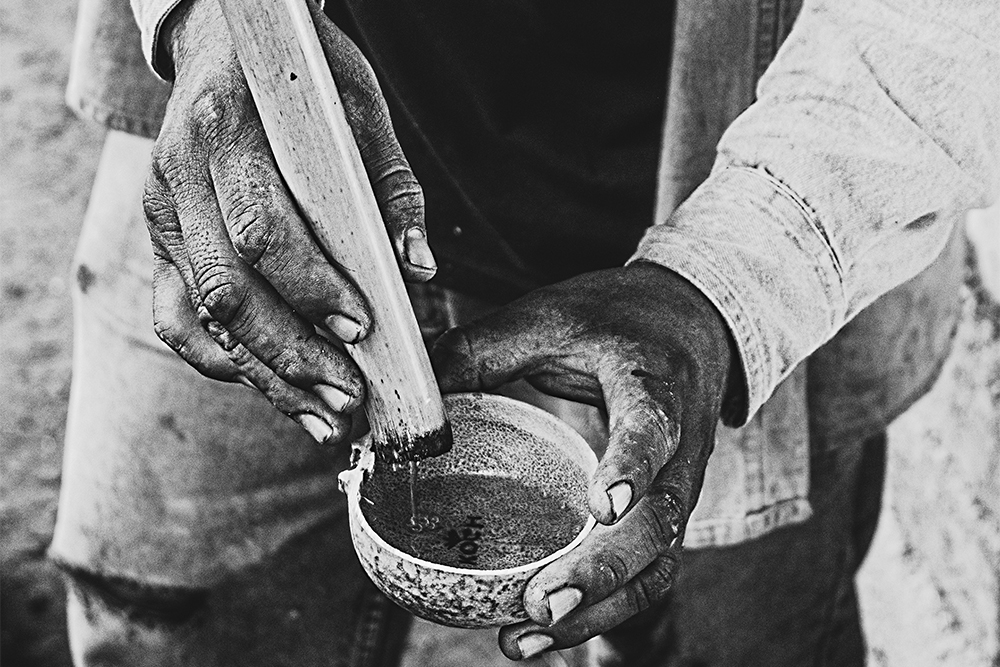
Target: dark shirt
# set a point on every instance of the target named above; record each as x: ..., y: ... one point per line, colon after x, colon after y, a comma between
x: 533, y: 127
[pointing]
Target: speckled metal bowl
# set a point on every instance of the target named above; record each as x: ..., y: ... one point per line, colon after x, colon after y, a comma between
x: 494, y: 436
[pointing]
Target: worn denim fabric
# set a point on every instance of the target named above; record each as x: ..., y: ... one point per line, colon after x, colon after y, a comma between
x: 849, y: 168
x: 874, y: 130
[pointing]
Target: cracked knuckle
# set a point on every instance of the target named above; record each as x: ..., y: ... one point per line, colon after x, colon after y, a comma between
x: 666, y: 520
x: 651, y: 586
x: 218, y: 333
x: 388, y: 164
x: 175, y: 337
x: 173, y: 160
x: 181, y: 341
x: 660, y: 577
x: 169, y: 147
x: 406, y: 202
x: 288, y: 363
x: 640, y: 596
x: 213, y: 110
x: 612, y: 571
x: 157, y: 209
x: 239, y: 355
x: 254, y: 233
x: 222, y: 296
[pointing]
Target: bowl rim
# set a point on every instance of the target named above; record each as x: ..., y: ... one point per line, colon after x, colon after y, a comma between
x: 519, y: 569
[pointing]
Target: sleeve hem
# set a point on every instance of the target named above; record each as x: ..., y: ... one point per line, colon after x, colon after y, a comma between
x: 700, y: 273
x: 151, y: 18
x: 113, y: 119
x: 758, y: 253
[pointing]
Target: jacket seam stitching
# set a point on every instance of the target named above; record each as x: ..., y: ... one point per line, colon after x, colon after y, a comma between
x: 115, y: 119
x: 807, y: 212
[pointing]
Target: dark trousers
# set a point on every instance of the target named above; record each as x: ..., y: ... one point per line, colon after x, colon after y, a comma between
x: 787, y: 599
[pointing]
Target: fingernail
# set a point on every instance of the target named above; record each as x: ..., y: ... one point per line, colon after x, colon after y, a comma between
x: 563, y: 601
x: 620, y: 495
x: 533, y: 643
x: 332, y: 396
x: 317, y: 428
x: 243, y: 380
x: 344, y: 328
x: 418, y: 252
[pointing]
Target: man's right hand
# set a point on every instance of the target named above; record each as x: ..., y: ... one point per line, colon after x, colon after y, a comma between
x: 239, y: 283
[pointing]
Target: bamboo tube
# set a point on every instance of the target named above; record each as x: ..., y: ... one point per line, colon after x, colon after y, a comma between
x: 316, y: 153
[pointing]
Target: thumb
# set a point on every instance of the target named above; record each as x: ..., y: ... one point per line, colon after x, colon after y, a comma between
x: 644, y: 415
x: 501, y: 347
x: 399, y: 196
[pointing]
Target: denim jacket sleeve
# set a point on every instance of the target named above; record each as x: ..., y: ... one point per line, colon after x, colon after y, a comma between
x: 150, y: 15
x: 877, y: 121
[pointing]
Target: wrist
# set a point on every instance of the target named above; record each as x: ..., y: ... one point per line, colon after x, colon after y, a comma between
x: 695, y: 324
x: 193, y: 29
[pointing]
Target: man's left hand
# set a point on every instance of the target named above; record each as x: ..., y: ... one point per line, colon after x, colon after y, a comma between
x: 646, y: 346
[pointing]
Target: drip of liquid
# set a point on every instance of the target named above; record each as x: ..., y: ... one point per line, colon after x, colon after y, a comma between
x: 414, y: 516
x: 419, y: 522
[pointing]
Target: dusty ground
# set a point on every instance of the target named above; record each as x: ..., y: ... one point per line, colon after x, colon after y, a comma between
x: 929, y: 591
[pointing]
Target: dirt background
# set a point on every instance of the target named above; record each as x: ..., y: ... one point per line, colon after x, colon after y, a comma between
x: 929, y: 591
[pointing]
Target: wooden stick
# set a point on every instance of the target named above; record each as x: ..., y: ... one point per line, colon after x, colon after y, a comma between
x: 312, y: 143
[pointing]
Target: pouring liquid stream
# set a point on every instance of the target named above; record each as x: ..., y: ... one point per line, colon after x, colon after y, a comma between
x: 419, y: 522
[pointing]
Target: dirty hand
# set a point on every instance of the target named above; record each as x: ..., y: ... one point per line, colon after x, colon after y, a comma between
x: 648, y: 347
x: 238, y: 281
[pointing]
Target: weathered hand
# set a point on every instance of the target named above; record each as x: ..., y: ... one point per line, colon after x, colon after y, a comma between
x: 239, y: 283
x: 648, y: 347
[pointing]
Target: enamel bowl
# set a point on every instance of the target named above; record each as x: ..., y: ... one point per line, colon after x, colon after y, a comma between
x: 508, y: 499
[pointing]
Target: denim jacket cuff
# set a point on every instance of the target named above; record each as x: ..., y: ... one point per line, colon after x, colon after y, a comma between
x: 750, y: 245
x: 150, y: 15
